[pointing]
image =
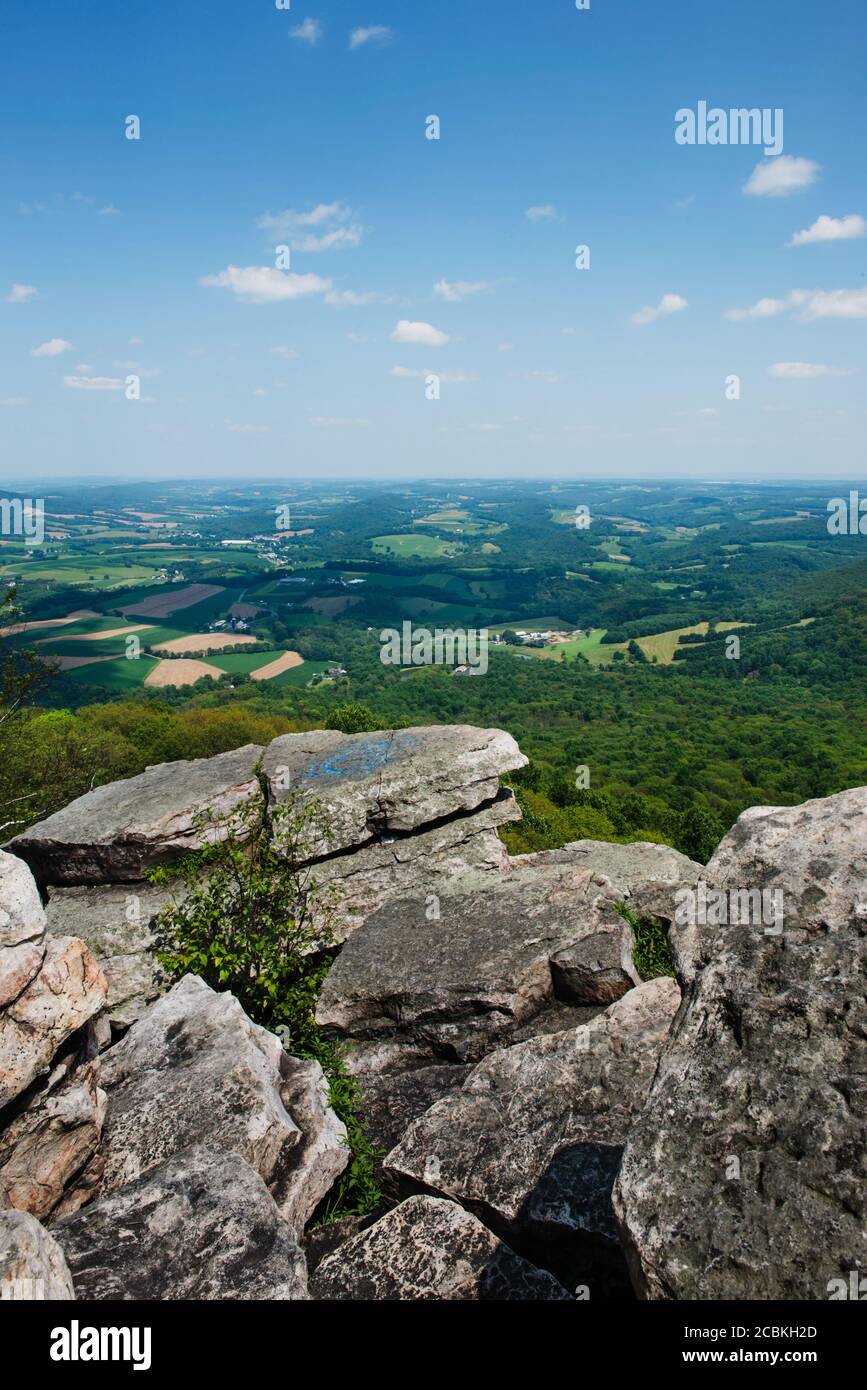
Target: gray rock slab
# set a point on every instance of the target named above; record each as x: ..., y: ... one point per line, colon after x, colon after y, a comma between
x: 195, y: 1070
x: 116, y: 832
x: 393, y: 781
x: 116, y: 922
x: 460, y: 979
x: 428, y: 1249
x: 744, y: 1177
x: 532, y: 1139
x: 200, y: 1226
x: 428, y: 862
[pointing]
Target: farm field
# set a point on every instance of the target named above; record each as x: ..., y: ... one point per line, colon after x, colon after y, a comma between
x: 420, y: 546
x: 180, y: 672
x: 202, y: 642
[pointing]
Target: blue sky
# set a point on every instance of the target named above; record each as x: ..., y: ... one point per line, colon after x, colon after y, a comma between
x: 306, y: 127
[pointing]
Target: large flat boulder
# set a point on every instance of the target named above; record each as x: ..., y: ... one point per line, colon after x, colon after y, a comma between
x: 116, y: 832
x: 457, y: 975
x: 195, y: 1071
x: 532, y: 1139
x: 68, y: 991
x: 391, y: 782
x: 428, y: 862
x: 627, y: 866
x: 744, y: 1176
x: 32, y: 1264
x: 427, y: 1249
x: 201, y: 1225
x: 116, y: 921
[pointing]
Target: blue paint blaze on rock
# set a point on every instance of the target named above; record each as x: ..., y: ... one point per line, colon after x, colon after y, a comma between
x: 359, y: 760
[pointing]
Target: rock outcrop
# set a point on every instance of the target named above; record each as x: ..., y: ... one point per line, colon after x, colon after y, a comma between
x: 52, y: 994
x: 195, y: 1071
x: 744, y: 1176
x: 116, y: 922
x: 430, y: 1249
x: 544, y: 1118
x: 32, y: 1264
x: 532, y: 1139
x: 201, y: 1225
x: 390, y: 783
x: 116, y: 832
x: 454, y: 977
x: 407, y: 810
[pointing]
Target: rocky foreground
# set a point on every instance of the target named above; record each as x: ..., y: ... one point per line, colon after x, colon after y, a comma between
x: 551, y: 1126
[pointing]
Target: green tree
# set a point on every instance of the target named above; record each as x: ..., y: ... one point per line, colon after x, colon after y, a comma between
x: 354, y: 719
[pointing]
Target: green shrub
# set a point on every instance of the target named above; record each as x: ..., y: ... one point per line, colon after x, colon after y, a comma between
x: 246, y: 914
x: 650, y: 949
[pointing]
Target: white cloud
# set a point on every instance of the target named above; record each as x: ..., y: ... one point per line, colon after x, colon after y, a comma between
x: 109, y: 211
x: 259, y: 392
x: 263, y: 284
x: 53, y: 348
x: 804, y: 371
x: 247, y: 429
x: 456, y: 290
x: 831, y: 229
x: 287, y: 353
x: 93, y: 383
x: 546, y: 212
x: 375, y: 33
x: 19, y: 294
x: 84, y: 369
x: 338, y: 224
x: 836, y: 304
x: 421, y: 334
x: 308, y: 32
x: 766, y: 308
x: 777, y: 177
x: 668, y: 304
x: 357, y: 338
x: 813, y: 304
